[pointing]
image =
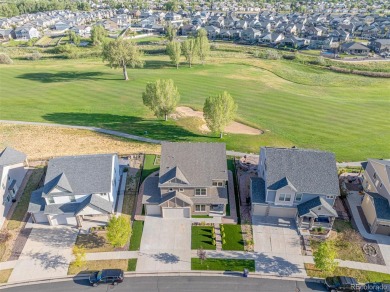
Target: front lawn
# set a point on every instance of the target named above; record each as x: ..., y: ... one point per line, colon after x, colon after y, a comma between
x: 91, y: 266
x: 222, y: 265
x: 361, y: 275
x: 135, y: 240
x: 22, y: 205
x: 149, y: 167
x: 94, y: 242
x: 201, y: 237
x: 347, y: 241
x: 4, y: 275
x: 233, y: 237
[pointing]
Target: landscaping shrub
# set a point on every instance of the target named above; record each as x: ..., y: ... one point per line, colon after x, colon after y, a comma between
x: 271, y: 55
x: 289, y: 57
x: 358, y: 72
x: 5, y: 59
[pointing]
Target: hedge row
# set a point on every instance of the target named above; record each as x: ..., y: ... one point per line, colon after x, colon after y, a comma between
x: 358, y: 72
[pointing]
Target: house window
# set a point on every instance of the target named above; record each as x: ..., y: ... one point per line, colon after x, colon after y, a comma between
x: 200, y: 208
x: 374, y: 175
x: 51, y: 200
x: 200, y: 192
x: 218, y: 183
x: 9, y: 178
x: 285, y: 197
x: 298, y: 197
x: 215, y: 183
x: 170, y: 189
x: 72, y: 198
x: 380, y: 186
x: 329, y: 197
x: 181, y: 190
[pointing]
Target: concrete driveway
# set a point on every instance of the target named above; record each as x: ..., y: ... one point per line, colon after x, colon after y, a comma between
x: 275, y: 235
x: 47, y: 253
x: 165, y: 245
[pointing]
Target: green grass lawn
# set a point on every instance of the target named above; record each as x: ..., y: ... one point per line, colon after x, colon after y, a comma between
x: 149, y: 167
x: 201, y: 237
x: 295, y: 104
x: 22, y: 206
x: 361, y: 275
x: 132, y: 265
x: 223, y: 265
x: 233, y: 237
x: 135, y: 241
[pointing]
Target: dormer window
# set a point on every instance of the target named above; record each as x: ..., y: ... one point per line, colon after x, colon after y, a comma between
x: 50, y: 200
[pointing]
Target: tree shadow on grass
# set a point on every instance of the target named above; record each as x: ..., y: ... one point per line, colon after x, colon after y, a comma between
x: 63, y: 76
x: 157, y: 64
x: 153, y: 128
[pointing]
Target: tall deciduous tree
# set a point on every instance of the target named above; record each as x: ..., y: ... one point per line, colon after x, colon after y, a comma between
x: 190, y: 50
x: 324, y: 256
x: 161, y: 97
x: 219, y: 111
x: 174, y: 52
x: 170, y: 32
x: 118, y: 231
x: 203, y: 45
x: 98, y: 33
x: 122, y: 53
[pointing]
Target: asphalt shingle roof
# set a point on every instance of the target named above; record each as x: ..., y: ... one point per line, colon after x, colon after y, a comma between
x: 306, y: 207
x: 11, y: 156
x: 199, y: 163
x: 258, y: 190
x: 37, y: 203
x: 382, y: 206
x: 83, y: 174
x: 309, y: 171
x: 97, y: 201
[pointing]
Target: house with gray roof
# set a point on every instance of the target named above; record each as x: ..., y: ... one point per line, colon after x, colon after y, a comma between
x: 12, y: 173
x: 376, y: 201
x: 296, y: 183
x: 192, y: 181
x: 76, y: 189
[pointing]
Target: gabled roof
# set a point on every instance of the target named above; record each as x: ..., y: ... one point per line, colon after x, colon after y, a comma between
x: 174, y: 175
x: 307, y: 207
x: 309, y: 171
x: 95, y: 201
x: 382, y: 170
x: 79, y: 175
x: 198, y: 163
x: 11, y: 156
x: 382, y: 206
x: 178, y: 195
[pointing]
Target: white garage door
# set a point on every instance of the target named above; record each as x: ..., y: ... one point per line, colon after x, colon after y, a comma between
x: 153, y: 210
x: 176, y: 213
x: 64, y: 219
x: 259, y: 210
x: 282, y: 212
x: 40, y: 217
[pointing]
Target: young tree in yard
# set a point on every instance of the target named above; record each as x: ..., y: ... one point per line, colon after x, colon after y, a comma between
x: 190, y: 50
x: 79, y: 256
x: 161, y: 97
x: 219, y: 111
x: 170, y: 32
x: 122, y: 53
x: 75, y: 38
x: 201, y: 255
x: 174, y: 52
x: 118, y: 231
x: 203, y: 45
x: 324, y: 256
x: 98, y: 33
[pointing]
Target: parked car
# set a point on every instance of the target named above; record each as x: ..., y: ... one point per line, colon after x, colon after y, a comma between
x: 110, y: 276
x: 375, y: 287
x: 341, y: 283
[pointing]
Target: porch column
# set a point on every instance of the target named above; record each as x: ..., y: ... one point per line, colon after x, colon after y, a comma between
x: 300, y: 219
x: 331, y: 221
x: 79, y: 220
x: 311, y: 222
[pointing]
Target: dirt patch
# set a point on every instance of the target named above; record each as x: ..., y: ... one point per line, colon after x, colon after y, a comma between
x: 233, y: 128
x: 40, y: 142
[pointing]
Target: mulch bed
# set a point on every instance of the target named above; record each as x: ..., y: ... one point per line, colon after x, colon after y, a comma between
x: 19, y: 244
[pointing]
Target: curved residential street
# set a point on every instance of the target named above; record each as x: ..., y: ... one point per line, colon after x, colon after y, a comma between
x: 179, y: 284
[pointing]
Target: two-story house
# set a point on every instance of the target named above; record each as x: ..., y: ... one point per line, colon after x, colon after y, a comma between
x: 192, y: 180
x: 12, y: 172
x: 77, y: 188
x: 296, y: 183
x: 375, y: 204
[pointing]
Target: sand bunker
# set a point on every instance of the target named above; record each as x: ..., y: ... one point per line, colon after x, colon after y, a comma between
x: 234, y: 127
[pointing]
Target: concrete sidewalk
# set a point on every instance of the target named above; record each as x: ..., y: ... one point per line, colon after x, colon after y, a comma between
x: 113, y: 255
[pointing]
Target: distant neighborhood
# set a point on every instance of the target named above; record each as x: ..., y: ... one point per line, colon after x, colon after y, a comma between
x: 332, y: 27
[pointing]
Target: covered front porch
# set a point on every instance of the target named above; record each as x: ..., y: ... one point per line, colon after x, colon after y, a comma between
x: 315, y: 213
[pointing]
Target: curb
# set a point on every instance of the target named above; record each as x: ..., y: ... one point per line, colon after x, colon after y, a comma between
x: 162, y: 274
